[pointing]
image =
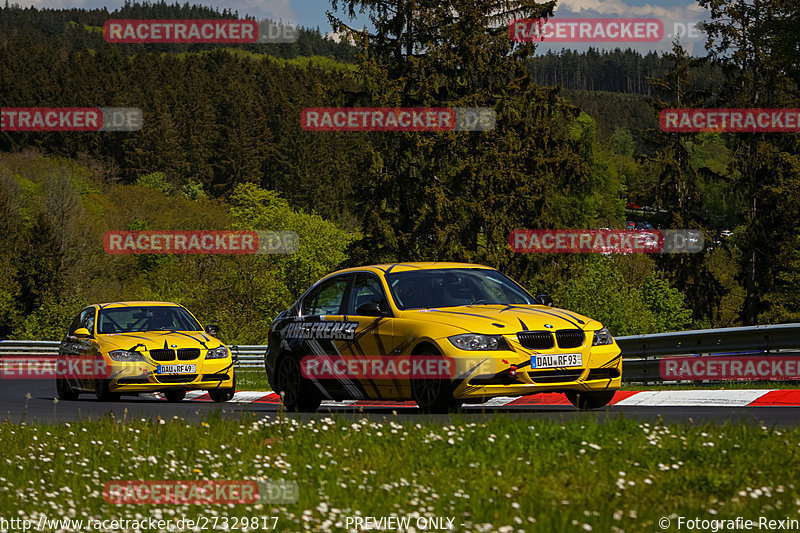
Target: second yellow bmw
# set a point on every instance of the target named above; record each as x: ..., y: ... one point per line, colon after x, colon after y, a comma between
x: 143, y: 347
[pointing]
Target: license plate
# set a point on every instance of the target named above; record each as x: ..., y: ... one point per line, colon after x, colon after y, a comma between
x: 559, y: 360
x: 176, y: 369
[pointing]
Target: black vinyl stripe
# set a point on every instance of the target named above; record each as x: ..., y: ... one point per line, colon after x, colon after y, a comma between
x: 461, y: 313
x: 541, y: 311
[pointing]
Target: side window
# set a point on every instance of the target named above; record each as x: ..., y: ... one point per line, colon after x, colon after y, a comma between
x: 366, y: 289
x: 85, y: 319
x: 326, y: 298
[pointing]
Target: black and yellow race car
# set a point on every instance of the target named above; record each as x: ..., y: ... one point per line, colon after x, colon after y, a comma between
x: 496, y: 338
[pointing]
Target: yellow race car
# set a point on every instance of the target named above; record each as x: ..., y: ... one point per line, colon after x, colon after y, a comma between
x: 360, y: 333
x: 131, y: 347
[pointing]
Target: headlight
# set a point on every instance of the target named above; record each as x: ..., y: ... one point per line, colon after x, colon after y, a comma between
x: 126, y: 355
x: 217, y: 353
x: 601, y: 337
x: 472, y: 341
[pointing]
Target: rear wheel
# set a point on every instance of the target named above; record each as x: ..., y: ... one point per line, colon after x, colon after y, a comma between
x: 434, y: 395
x: 297, y: 393
x: 103, y: 391
x: 174, y: 396
x: 590, y: 400
x: 64, y: 390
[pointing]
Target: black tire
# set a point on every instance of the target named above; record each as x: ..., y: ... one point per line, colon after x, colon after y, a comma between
x: 223, y: 395
x: 175, y: 396
x: 434, y: 395
x: 589, y: 400
x: 296, y: 392
x: 103, y: 392
x: 64, y: 390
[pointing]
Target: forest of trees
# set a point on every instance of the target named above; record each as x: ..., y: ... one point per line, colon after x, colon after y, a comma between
x: 576, y: 139
x: 622, y: 71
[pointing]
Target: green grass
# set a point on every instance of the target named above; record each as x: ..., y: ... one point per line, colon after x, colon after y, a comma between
x: 503, y: 474
x: 252, y: 381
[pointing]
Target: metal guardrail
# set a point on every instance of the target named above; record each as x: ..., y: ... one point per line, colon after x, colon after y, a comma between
x: 248, y: 358
x: 640, y: 353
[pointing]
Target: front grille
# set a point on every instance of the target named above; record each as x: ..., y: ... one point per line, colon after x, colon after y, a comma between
x: 131, y: 381
x: 537, y: 340
x: 162, y: 355
x: 570, y: 338
x: 215, y: 377
x: 187, y: 354
x: 503, y: 378
x: 177, y: 378
x: 555, y: 376
x: 603, y: 373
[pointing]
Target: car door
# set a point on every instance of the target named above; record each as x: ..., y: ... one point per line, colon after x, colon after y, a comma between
x: 374, y: 334
x: 321, y: 330
x: 74, y: 347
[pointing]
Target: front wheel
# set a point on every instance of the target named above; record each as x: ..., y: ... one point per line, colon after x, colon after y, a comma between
x: 64, y: 390
x: 434, y: 395
x: 175, y: 396
x: 103, y: 391
x: 590, y: 400
x: 296, y: 392
x: 223, y: 395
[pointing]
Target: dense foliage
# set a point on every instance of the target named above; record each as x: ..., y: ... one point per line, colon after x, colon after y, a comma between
x: 222, y: 147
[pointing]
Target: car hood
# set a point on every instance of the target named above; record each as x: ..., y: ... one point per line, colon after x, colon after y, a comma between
x: 503, y: 319
x: 153, y: 340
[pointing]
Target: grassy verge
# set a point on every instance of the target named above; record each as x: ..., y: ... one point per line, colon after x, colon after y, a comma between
x: 252, y: 381
x: 502, y: 475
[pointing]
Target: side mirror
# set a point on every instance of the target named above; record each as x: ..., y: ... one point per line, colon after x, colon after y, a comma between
x: 81, y: 333
x: 212, y: 329
x: 370, y: 309
x: 545, y: 299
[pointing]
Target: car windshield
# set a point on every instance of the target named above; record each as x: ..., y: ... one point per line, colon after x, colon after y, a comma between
x: 425, y: 289
x: 152, y: 318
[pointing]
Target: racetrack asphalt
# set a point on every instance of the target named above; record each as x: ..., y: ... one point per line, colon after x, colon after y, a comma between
x: 41, y: 407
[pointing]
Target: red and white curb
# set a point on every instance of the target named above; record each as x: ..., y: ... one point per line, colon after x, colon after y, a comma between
x: 656, y: 398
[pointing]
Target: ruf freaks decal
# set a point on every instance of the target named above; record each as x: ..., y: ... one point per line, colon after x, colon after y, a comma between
x: 326, y: 329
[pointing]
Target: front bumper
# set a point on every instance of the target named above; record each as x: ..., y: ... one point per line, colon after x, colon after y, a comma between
x: 141, y: 376
x: 508, y: 373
